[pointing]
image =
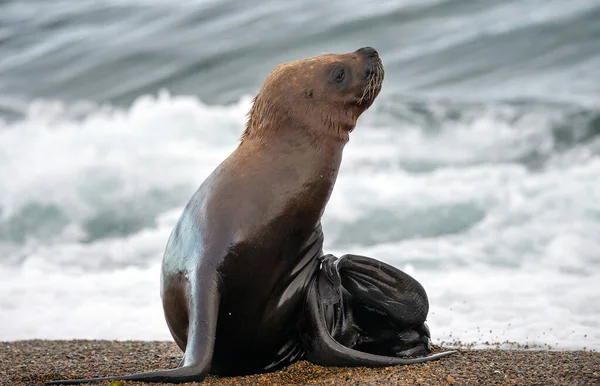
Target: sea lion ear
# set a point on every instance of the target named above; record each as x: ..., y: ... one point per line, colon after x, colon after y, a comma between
x: 309, y: 93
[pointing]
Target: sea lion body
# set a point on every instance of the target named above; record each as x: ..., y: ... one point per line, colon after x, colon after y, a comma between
x: 245, y: 285
x: 263, y: 217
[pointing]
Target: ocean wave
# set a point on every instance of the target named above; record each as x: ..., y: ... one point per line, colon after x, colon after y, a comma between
x: 88, y: 168
x: 528, y: 132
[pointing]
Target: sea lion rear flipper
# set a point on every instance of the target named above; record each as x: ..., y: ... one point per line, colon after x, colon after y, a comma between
x: 389, y: 307
x: 371, y: 294
x: 376, y: 284
x: 204, y: 307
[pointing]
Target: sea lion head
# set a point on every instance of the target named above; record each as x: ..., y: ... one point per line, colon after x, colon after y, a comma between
x: 322, y: 96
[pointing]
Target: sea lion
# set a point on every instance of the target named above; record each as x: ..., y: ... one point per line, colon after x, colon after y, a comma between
x: 245, y: 285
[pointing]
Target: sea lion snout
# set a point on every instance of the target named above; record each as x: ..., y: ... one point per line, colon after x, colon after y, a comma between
x: 372, y: 60
x: 368, y: 52
x: 371, y: 75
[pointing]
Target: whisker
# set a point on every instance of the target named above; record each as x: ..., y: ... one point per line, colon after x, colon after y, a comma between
x: 373, y: 85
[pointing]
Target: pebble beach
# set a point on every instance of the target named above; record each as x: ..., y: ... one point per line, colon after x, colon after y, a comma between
x: 32, y: 362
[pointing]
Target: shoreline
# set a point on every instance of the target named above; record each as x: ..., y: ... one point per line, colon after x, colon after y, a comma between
x: 31, y: 362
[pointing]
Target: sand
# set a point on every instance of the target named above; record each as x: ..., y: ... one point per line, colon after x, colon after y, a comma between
x: 32, y: 362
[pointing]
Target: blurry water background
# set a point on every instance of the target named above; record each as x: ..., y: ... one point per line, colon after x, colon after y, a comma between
x: 477, y: 170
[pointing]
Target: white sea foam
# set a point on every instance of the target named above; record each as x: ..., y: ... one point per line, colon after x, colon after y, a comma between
x: 505, y: 252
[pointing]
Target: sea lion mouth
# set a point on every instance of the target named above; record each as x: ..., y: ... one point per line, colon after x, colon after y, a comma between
x: 374, y: 75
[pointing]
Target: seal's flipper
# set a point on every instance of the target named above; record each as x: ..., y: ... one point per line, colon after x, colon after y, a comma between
x: 378, y: 285
x: 204, y: 301
x: 178, y: 375
x: 323, y: 349
x: 388, y: 306
x: 363, y: 312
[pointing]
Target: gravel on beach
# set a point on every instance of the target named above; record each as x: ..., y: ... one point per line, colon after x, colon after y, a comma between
x: 34, y: 361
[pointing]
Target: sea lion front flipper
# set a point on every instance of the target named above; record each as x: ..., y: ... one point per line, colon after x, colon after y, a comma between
x: 204, y: 298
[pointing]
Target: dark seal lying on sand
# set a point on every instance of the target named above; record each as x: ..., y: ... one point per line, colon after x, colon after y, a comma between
x: 245, y: 285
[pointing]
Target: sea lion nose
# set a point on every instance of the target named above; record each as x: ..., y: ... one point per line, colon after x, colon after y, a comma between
x: 369, y: 52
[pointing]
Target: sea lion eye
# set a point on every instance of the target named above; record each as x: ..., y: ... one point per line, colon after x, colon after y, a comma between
x: 337, y: 73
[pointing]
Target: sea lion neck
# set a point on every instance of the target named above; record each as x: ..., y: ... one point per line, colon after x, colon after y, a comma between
x: 296, y: 143
x: 315, y: 124
x: 292, y: 154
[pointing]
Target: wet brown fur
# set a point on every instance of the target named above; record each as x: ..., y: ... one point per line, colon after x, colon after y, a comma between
x: 298, y: 96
